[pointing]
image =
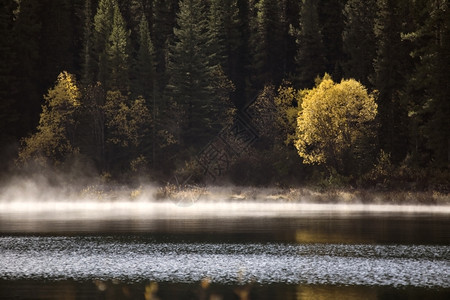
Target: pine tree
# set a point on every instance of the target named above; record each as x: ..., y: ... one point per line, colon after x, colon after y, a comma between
x: 359, y: 40
x: 164, y: 21
x: 427, y: 89
x: 267, y: 41
x: 56, y: 46
x: 196, y: 85
x: 390, y: 68
x: 189, y: 70
x: 331, y: 27
x: 290, y: 12
x: 103, y: 24
x: 27, y: 32
x: 117, y: 55
x: 8, y: 113
x: 87, y: 53
x: 145, y: 62
x: 310, y: 55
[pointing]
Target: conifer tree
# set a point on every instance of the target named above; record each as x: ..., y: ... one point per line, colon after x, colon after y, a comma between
x: 267, y: 63
x: 427, y: 88
x: 290, y: 12
x: 164, y: 21
x: 189, y: 70
x: 310, y: 55
x: 196, y: 85
x: 103, y: 24
x: 87, y: 52
x: 389, y: 65
x: 27, y: 32
x: 359, y: 40
x: 57, y: 51
x: 117, y: 54
x: 223, y: 22
x: 8, y: 112
x: 331, y: 27
x: 145, y: 62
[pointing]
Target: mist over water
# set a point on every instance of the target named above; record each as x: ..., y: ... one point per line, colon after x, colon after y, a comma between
x: 63, y: 230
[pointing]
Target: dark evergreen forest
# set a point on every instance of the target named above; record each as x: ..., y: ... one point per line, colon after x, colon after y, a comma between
x: 146, y: 88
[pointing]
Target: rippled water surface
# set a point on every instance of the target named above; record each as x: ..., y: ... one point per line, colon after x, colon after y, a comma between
x: 263, y: 251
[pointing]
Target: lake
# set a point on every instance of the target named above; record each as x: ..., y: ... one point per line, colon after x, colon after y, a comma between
x: 222, y: 250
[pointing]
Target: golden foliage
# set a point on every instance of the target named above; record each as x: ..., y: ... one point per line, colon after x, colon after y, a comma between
x: 53, y: 139
x: 333, y: 117
x: 288, y: 102
x: 127, y: 123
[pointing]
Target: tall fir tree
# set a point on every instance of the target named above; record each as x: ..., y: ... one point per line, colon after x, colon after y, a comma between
x: 27, y: 32
x: 223, y: 21
x: 118, y: 55
x: 145, y: 62
x: 56, y: 46
x: 87, y: 52
x: 103, y: 24
x: 331, y: 27
x: 189, y: 70
x: 267, y: 62
x: 290, y: 11
x: 390, y: 69
x: 242, y: 57
x: 359, y: 41
x: 8, y: 87
x: 164, y: 20
x: 197, y: 85
x: 310, y: 57
x: 428, y: 90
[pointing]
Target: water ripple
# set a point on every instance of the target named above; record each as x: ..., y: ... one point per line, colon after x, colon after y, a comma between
x: 138, y: 259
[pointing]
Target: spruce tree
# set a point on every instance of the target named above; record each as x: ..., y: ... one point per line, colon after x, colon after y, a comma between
x: 189, y: 70
x: 103, y: 24
x: 331, y: 27
x: 427, y: 89
x: 87, y: 52
x: 8, y: 113
x: 164, y: 20
x: 310, y: 57
x: 359, y: 40
x: 145, y: 62
x: 223, y: 26
x: 390, y: 70
x: 117, y: 55
x: 27, y: 32
x: 267, y: 40
x: 57, y: 51
x: 197, y: 85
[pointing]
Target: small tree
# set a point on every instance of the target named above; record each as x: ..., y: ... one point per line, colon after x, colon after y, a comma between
x: 335, y: 124
x: 54, y: 139
x: 127, y: 128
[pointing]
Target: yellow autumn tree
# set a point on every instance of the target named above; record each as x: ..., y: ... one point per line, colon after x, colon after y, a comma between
x: 288, y: 102
x: 335, y: 124
x: 53, y: 140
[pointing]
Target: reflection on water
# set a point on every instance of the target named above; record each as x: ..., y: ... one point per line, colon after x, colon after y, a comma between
x: 140, y: 258
x: 231, y: 251
x: 115, y: 290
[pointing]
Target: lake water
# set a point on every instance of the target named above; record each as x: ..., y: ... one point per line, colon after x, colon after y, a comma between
x: 223, y: 250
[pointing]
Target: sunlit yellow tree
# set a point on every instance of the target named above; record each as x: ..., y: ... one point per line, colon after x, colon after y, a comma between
x: 288, y: 102
x: 335, y: 124
x: 54, y: 139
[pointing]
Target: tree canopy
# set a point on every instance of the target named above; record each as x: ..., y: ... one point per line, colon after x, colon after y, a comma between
x: 197, y: 66
x: 333, y: 120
